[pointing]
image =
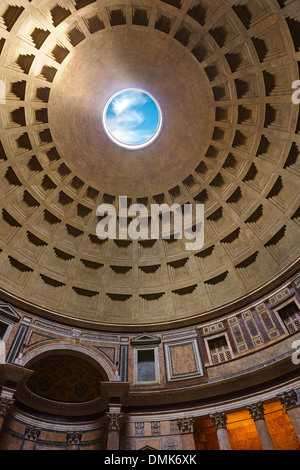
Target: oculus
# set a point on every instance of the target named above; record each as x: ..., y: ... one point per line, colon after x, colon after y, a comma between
x: 132, y: 118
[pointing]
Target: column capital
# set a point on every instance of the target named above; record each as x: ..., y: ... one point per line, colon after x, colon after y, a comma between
x: 288, y: 400
x: 219, y: 419
x: 186, y: 425
x: 32, y: 433
x: 115, y: 421
x: 257, y: 411
x: 5, y: 405
x: 74, y: 437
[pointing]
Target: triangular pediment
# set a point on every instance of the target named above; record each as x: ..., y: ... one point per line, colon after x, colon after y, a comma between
x: 9, y: 312
x: 147, y: 448
x: 145, y: 338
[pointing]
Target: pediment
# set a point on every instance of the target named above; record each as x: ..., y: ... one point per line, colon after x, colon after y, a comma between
x: 144, y: 339
x: 147, y: 448
x: 9, y: 312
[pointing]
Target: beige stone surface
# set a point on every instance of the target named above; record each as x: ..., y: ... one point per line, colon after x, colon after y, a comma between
x: 223, y: 74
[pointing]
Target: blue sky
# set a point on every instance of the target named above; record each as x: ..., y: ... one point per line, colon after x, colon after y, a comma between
x: 132, y: 117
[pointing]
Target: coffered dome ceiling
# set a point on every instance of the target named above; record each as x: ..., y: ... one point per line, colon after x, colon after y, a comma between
x: 222, y: 71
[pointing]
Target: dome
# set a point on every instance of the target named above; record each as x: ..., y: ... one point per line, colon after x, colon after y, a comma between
x: 229, y: 141
x: 96, y: 323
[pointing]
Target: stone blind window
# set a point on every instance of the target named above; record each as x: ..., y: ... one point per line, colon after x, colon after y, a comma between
x: 219, y: 350
x: 146, y: 359
x: 3, y: 328
x: 146, y: 365
x: 290, y: 315
x: 8, y: 317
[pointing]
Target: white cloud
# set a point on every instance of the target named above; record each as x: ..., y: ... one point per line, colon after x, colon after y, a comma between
x: 126, y: 118
x: 128, y: 100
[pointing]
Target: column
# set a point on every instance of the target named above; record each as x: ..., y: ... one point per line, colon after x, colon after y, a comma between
x: 186, y: 427
x: 289, y: 400
x: 6, y: 402
x: 73, y: 440
x: 115, y: 420
x: 258, y: 415
x: 220, y: 421
x: 5, y: 405
x: 31, y: 436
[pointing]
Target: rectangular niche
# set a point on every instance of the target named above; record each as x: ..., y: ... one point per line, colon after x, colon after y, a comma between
x: 31, y: 247
x: 71, y: 236
x: 148, y: 249
x: 173, y: 246
x: 140, y: 16
x: 219, y: 221
x: 146, y: 360
x: 183, y: 360
x: 117, y: 16
x: 179, y: 270
x: 83, y: 301
x: 120, y: 276
x: 235, y: 326
x: 186, y: 299
x: 219, y: 349
x: 62, y: 202
x: 60, y: 262
x: 89, y: 272
x: 122, y: 249
x: 236, y: 243
x: 15, y: 274
x: 248, y: 270
x: 252, y: 327
x: 48, y: 290
x: 210, y: 259
x: 163, y: 23
x: 119, y: 306
x: 94, y: 23
x: 220, y: 287
x: 3, y: 328
x: 9, y: 182
x: 150, y: 276
x: 152, y: 305
x: 289, y: 315
x: 267, y: 321
x: 8, y: 226
x: 95, y: 247
x: 47, y: 223
x: 262, y: 222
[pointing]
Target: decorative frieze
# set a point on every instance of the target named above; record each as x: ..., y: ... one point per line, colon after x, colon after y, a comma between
x: 171, y: 444
x: 237, y: 334
x: 267, y: 321
x: 75, y: 333
x: 297, y: 283
x: 174, y: 429
x: 183, y: 360
x: 155, y: 428
x: 279, y: 297
x: 252, y: 327
x: 74, y: 438
x: 213, y: 329
x: 139, y: 429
